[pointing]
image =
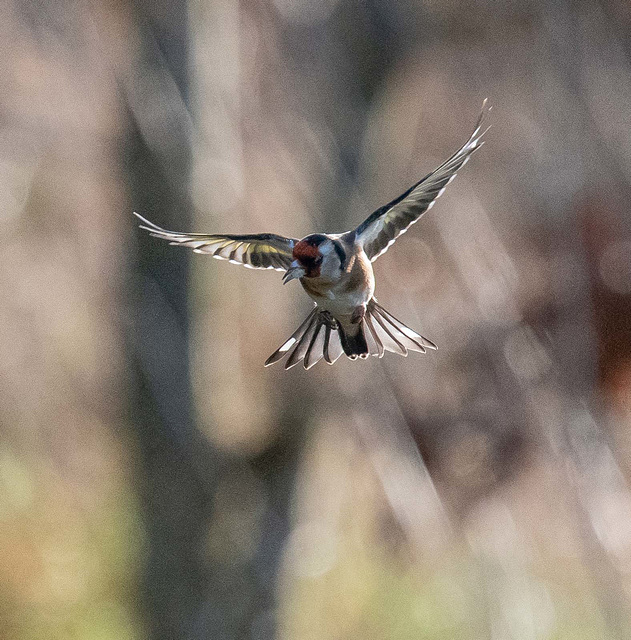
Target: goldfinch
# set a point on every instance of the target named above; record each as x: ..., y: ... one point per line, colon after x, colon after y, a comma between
x: 335, y: 270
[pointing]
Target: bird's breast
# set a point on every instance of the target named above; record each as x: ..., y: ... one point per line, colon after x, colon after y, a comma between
x: 342, y: 295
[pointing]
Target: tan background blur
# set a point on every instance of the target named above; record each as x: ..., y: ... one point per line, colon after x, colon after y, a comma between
x: 156, y: 481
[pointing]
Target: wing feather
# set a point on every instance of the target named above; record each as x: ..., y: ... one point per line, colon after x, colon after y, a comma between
x: 385, y: 225
x: 260, y: 251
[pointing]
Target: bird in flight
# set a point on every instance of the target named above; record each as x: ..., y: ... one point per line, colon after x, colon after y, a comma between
x: 336, y: 271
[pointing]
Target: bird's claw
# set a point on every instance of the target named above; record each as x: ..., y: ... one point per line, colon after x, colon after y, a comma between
x: 358, y: 314
x: 328, y: 319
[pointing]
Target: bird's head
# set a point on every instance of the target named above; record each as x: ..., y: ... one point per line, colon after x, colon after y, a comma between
x: 315, y: 256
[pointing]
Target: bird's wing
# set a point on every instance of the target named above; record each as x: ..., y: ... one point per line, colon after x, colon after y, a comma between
x: 385, y: 225
x: 260, y: 251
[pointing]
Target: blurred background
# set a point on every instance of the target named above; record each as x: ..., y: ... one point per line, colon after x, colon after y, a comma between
x: 156, y: 482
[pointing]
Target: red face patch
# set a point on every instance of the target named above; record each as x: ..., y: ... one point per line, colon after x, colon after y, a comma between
x: 306, y: 252
x: 308, y: 255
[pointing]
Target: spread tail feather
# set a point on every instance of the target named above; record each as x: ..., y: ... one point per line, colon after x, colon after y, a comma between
x: 387, y: 333
x: 320, y: 336
x: 316, y: 338
x: 354, y: 345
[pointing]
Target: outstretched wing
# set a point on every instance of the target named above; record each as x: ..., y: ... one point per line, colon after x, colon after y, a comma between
x: 261, y: 251
x: 385, y: 225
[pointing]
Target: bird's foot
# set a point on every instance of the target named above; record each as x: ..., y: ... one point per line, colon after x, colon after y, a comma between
x: 358, y: 314
x: 328, y: 319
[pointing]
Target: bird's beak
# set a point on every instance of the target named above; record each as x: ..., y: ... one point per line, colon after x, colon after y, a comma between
x: 294, y: 271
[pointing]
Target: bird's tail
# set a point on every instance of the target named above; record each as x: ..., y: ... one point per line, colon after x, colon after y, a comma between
x: 354, y: 344
x: 316, y: 338
x: 320, y: 336
x: 384, y: 333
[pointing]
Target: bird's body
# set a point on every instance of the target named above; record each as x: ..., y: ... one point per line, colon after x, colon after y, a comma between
x: 341, y: 289
x: 336, y: 272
